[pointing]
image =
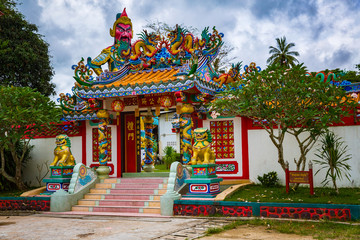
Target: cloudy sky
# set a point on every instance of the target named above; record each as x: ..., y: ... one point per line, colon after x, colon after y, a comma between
x: 326, y: 32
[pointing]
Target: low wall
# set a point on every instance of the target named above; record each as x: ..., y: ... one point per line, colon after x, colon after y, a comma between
x: 340, y: 212
x: 25, y: 203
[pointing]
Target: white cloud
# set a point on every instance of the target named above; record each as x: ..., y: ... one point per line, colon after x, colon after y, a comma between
x: 326, y: 33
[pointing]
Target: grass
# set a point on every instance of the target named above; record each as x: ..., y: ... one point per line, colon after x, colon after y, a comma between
x: 11, y: 193
x: 258, y: 193
x: 318, y: 230
x: 161, y: 168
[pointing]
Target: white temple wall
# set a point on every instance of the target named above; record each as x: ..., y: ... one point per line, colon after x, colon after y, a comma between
x: 42, y: 155
x: 166, y: 136
x: 263, y: 155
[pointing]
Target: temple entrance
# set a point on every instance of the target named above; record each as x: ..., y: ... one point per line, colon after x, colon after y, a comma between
x: 129, y: 159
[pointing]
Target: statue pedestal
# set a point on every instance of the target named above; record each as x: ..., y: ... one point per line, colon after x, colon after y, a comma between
x: 103, y: 171
x: 60, y: 178
x: 148, y: 168
x: 204, y: 182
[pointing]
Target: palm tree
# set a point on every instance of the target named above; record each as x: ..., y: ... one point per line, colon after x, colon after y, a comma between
x: 281, y: 54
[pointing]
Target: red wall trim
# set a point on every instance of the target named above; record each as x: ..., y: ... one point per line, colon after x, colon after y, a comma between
x: 83, y: 141
x: 118, y: 147
x: 350, y: 120
x: 245, y: 147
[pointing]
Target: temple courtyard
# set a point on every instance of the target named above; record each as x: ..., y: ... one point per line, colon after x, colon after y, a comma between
x: 58, y: 227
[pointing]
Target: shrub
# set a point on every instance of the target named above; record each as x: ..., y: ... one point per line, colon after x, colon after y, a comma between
x: 269, y: 179
x: 333, y: 158
x: 170, y: 156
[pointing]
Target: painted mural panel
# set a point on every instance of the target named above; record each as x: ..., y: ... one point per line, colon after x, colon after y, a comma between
x: 226, y: 134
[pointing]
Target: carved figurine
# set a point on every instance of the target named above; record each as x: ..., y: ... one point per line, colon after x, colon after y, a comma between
x: 231, y: 76
x: 62, y: 152
x: 123, y: 33
x: 186, y: 125
x: 202, y: 152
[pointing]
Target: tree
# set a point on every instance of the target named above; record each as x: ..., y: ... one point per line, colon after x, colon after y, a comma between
x: 23, y: 113
x: 282, y: 54
x: 24, y: 54
x: 284, y: 101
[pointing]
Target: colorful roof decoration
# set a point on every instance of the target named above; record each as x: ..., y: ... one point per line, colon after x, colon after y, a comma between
x: 152, y: 64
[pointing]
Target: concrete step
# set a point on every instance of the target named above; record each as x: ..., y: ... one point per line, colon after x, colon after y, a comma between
x: 128, y: 191
x: 117, y: 202
x: 124, y: 195
x: 135, y: 180
x: 127, y: 209
x: 132, y: 185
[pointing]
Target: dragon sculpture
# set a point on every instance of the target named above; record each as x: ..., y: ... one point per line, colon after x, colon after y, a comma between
x: 63, y: 156
x: 147, y: 45
x: 176, y: 38
x: 186, y: 125
x: 149, y: 155
x: 231, y: 76
x: 202, y: 152
x: 103, y: 115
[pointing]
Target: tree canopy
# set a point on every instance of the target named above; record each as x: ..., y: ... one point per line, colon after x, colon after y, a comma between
x: 284, y: 101
x: 23, y: 113
x: 24, y: 55
x: 281, y: 54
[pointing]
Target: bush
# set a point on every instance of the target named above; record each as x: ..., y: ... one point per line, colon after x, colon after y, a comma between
x: 170, y: 156
x: 269, y: 179
x: 333, y: 158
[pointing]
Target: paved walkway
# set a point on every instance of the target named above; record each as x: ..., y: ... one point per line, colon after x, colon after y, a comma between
x: 61, y: 227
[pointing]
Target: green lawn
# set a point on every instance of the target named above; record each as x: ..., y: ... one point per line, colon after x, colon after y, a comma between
x: 161, y: 168
x: 258, y: 193
x: 318, y: 230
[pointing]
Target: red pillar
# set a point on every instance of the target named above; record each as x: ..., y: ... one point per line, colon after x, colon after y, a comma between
x: 83, y: 141
x: 245, y: 147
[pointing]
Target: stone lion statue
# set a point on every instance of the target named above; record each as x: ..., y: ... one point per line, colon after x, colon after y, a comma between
x: 202, y: 152
x: 62, y: 152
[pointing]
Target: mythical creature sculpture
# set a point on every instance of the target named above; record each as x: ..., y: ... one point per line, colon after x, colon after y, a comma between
x: 149, y: 144
x: 103, y: 115
x: 176, y: 38
x: 147, y: 45
x: 202, y: 152
x: 186, y: 128
x: 231, y: 76
x: 62, y: 152
x: 122, y: 33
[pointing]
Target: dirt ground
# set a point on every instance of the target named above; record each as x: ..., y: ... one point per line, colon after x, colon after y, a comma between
x: 254, y: 233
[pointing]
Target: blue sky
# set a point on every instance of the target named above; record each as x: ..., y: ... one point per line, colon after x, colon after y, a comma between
x: 326, y: 32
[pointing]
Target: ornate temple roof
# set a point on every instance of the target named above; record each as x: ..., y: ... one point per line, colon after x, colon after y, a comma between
x: 153, y: 64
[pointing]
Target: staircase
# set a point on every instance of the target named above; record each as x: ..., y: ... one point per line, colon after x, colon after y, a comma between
x: 125, y: 196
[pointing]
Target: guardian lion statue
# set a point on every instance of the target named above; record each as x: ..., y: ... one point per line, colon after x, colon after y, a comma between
x: 202, y: 152
x: 63, y: 156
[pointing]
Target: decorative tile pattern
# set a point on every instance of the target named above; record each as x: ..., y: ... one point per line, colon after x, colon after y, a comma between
x: 209, y: 210
x: 222, y: 133
x: 95, y: 144
x: 305, y: 213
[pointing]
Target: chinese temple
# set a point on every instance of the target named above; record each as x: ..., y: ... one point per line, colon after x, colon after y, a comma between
x: 118, y: 93
x: 132, y: 81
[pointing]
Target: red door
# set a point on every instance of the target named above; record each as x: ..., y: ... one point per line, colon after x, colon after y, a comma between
x: 130, y: 143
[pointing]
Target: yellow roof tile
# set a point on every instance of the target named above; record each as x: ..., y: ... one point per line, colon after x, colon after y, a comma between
x: 145, y: 77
